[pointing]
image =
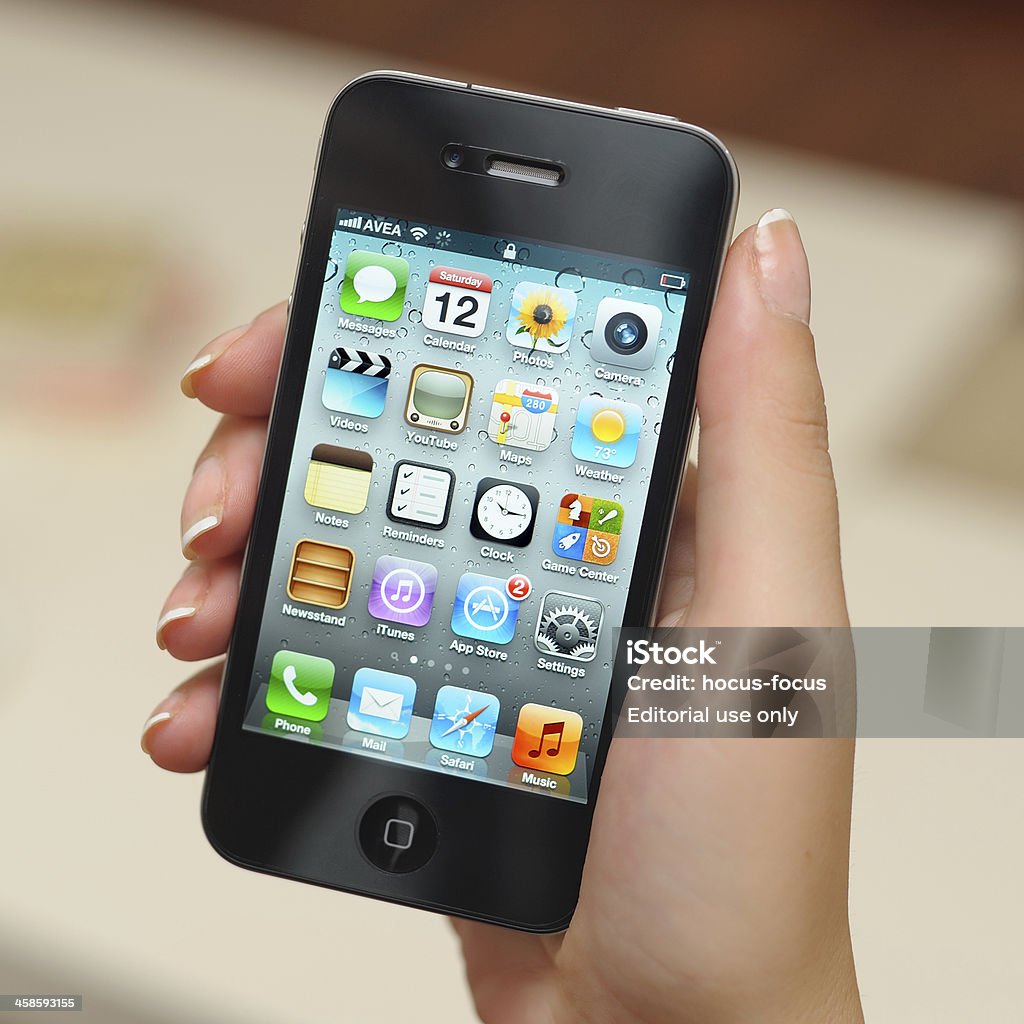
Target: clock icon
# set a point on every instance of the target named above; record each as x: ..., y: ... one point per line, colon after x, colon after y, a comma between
x: 504, y: 512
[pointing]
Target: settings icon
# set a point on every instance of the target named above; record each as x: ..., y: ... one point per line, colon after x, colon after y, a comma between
x: 569, y: 626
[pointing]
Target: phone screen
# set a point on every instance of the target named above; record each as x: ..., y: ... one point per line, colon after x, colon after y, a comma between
x: 463, y: 507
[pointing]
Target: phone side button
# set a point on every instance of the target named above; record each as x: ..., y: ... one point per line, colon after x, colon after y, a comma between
x: 397, y: 834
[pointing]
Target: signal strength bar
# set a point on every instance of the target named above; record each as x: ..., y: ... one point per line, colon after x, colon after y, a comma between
x: 351, y: 222
x: 418, y: 233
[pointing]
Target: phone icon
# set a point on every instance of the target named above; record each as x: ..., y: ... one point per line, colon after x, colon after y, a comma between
x: 300, y: 686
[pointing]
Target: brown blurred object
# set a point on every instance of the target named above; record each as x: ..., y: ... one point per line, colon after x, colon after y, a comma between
x: 928, y: 88
x: 84, y: 310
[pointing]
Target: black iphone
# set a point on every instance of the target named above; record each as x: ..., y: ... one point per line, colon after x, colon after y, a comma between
x: 479, y: 431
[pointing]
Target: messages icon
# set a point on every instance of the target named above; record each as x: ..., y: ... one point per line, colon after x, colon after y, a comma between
x: 374, y: 285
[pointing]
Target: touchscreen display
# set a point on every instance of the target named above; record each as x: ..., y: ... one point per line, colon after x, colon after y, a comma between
x: 464, y: 501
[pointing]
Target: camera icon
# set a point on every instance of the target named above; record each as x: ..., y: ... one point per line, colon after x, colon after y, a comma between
x: 626, y: 333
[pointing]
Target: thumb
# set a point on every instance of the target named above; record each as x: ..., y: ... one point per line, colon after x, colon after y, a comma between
x: 767, y: 541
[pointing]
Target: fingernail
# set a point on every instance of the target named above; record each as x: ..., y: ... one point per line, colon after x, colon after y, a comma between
x: 165, y: 711
x: 214, y: 350
x: 204, y: 503
x: 169, y: 616
x: 782, y: 265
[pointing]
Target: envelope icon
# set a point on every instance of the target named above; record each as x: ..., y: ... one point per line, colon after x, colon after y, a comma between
x: 381, y: 704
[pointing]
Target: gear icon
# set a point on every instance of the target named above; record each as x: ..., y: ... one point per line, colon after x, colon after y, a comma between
x: 569, y: 628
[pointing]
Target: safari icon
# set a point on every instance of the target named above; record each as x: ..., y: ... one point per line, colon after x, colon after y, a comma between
x: 374, y: 285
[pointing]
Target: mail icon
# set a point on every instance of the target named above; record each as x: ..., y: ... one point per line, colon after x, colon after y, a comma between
x: 381, y: 703
x: 384, y: 704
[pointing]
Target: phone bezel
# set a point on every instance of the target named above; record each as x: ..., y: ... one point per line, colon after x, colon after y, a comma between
x: 505, y: 856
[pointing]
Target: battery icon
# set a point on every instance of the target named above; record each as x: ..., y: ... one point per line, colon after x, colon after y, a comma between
x: 674, y: 281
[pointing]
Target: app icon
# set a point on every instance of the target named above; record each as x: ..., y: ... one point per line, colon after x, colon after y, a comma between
x: 356, y: 382
x: 374, y: 285
x: 626, y: 333
x: 321, y: 574
x: 402, y: 590
x: 607, y: 431
x: 483, y: 611
x: 457, y: 301
x: 381, y: 703
x: 300, y: 686
x: 438, y: 398
x: 541, y: 317
x: 568, y: 626
x: 588, y: 529
x: 421, y: 494
x: 504, y: 512
x: 464, y: 721
x: 523, y: 415
x: 338, y: 478
x: 547, y: 739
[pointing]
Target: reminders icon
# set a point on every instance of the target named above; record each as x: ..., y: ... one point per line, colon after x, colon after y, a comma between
x: 356, y: 382
x: 338, y: 478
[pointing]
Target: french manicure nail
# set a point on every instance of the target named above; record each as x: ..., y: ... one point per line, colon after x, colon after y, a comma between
x: 165, y: 711
x: 169, y: 616
x: 782, y: 265
x: 204, y: 503
x: 196, y: 530
x: 213, y: 350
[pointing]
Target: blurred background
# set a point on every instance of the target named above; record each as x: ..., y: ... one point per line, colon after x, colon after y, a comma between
x: 156, y: 164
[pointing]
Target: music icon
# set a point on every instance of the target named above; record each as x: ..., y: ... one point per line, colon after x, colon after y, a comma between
x: 547, y: 739
x: 402, y: 590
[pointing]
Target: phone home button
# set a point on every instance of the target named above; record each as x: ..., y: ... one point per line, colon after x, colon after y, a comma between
x: 398, y: 834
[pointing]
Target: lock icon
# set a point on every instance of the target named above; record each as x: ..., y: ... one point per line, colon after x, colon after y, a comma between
x: 510, y: 252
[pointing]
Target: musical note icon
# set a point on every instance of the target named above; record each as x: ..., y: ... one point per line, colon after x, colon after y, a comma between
x: 402, y: 590
x: 550, y: 729
x: 547, y: 739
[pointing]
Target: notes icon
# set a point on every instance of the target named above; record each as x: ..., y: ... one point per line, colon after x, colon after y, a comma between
x: 547, y: 739
x: 338, y: 478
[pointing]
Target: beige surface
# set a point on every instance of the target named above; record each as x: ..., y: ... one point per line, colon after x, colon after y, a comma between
x: 204, y: 136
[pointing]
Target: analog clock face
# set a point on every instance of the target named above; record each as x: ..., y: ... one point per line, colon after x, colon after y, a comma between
x: 504, y: 512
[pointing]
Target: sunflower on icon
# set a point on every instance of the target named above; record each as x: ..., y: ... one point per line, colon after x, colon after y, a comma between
x: 542, y: 317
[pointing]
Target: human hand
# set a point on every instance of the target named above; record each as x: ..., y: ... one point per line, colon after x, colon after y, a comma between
x: 715, y: 886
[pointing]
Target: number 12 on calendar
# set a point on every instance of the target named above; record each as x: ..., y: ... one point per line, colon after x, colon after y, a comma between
x: 457, y: 301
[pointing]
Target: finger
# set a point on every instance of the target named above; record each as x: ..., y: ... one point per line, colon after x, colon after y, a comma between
x: 678, y: 581
x: 767, y: 523
x: 235, y: 373
x: 179, y: 734
x: 218, y: 508
x: 197, y: 617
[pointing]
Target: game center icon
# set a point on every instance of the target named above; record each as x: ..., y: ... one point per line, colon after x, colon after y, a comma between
x: 588, y: 529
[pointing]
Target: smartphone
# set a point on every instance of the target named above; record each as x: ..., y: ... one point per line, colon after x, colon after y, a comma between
x: 479, y: 430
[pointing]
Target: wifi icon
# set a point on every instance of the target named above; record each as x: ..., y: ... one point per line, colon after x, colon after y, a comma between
x: 418, y: 233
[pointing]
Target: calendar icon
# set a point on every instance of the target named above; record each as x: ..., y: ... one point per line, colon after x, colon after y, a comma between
x: 457, y: 301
